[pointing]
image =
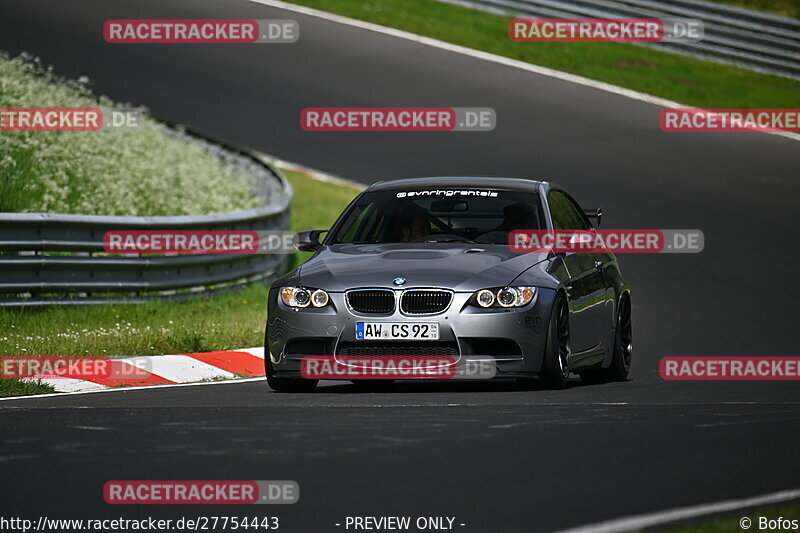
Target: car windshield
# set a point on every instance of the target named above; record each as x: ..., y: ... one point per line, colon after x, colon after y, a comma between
x: 469, y: 215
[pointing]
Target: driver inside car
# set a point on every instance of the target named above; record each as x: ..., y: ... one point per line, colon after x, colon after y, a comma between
x: 515, y: 217
x: 412, y: 223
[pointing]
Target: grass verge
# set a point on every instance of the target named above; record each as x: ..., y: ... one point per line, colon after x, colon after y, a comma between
x: 222, y: 322
x: 679, y: 78
x: 143, y: 171
x: 15, y: 387
x: 785, y: 8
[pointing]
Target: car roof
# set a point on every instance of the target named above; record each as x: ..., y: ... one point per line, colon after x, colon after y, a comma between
x: 519, y: 184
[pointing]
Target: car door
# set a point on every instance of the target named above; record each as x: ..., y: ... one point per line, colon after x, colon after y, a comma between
x: 586, y: 290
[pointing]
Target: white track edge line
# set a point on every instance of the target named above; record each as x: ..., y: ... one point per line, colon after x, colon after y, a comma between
x: 318, y: 175
x: 224, y: 374
x: 129, y: 389
x: 487, y: 56
x: 638, y: 522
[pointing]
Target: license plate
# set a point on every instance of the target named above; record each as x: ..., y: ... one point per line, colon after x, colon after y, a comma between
x: 417, y: 331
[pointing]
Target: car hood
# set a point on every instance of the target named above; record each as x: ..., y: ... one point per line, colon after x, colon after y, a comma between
x: 464, y: 267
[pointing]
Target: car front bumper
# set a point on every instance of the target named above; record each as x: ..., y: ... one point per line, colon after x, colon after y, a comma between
x: 514, y: 338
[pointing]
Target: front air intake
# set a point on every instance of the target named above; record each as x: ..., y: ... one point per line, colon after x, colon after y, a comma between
x: 398, y: 349
x: 425, y: 302
x: 371, y: 301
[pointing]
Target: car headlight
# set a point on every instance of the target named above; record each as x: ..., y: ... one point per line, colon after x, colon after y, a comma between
x: 319, y: 298
x: 304, y: 297
x: 485, y: 298
x: 504, y: 297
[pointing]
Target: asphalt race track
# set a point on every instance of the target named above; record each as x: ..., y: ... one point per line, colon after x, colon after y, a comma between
x: 495, y: 457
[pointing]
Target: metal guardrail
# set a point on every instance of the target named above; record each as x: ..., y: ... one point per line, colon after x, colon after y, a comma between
x: 749, y: 39
x: 59, y: 259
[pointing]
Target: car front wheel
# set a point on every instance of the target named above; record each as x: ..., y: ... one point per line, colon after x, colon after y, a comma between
x: 291, y: 385
x: 555, y: 367
x: 285, y: 384
x: 623, y: 343
x: 623, y: 349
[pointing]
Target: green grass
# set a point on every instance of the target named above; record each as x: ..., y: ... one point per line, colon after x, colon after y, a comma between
x: 682, y: 79
x: 312, y: 211
x: 135, y: 172
x: 317, y: 204
x: 785, y: 8
x: 142, y: 171
x: 226, y: 321
x: 14, y: 387
x: 231, y: 320
x: 730, y: 524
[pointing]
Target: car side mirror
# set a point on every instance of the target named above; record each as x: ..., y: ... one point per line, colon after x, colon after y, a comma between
x: 308, y: 241
x: 595, y: 213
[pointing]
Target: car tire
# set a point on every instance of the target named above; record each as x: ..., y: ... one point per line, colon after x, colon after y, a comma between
x: 623, y: 343
x: 622, y: 352
x: 285, y: 384
x: 555, y: 366
x: 291, y: 384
